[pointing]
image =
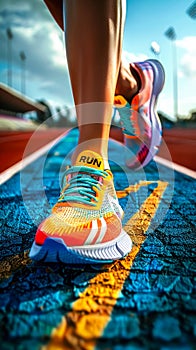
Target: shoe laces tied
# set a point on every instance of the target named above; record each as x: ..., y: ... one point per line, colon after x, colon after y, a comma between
x: 79, y: 187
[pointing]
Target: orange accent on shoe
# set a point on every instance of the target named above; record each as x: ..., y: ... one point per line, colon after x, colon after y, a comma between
x: 115, y: 226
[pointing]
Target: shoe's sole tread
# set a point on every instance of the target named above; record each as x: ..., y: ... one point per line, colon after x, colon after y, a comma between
x: 55, y: 250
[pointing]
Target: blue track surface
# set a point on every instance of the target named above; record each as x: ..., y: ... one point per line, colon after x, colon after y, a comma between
x: 156, y: 307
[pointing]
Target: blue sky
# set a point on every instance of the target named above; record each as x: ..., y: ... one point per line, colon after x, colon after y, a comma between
x: 47, y: 77
x: 147, y: 21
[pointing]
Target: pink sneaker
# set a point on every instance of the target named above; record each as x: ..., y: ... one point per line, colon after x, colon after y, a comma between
x: 140, y: 122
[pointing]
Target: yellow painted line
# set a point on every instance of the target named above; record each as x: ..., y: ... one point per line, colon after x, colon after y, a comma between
x: 133, y: 188
x: 18, y: 261
x: 84, y: 325
x: 12, y: 263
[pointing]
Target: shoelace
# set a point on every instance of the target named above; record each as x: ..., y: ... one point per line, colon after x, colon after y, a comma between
x: 127, y: 122
x: 80, y: 185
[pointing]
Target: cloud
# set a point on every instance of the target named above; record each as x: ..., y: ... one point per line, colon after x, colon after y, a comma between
x: 187, y: 63
x: 36, y: 33
x: 131, y: 57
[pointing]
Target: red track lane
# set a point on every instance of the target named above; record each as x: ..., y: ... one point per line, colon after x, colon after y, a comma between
x: 13, y: 144
x: 180, y: 142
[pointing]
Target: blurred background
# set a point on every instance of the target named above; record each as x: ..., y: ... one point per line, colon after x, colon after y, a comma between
x: 35, y: 88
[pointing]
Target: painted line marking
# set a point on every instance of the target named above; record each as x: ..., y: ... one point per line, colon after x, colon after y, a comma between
x: 13, y: 263
x: 87, y: 310
x: 133, y: 188
x: 22, y: 259
x: 92, y: 311
x: 8, y: 173
x: 175, y: 167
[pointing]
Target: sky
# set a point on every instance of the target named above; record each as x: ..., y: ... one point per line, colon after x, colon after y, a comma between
x: 47, y: 77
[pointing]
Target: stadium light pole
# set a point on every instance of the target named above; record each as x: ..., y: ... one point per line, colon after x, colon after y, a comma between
x: 23, y: 71
x: 2, y: 49
x: 171, y: 35
x: 191, y: 11
x: 9, y: 57
x: 155, y: 48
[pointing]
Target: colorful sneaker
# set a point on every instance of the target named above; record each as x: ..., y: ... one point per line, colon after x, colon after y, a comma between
x: 140, y: 122
x: 85, y: 224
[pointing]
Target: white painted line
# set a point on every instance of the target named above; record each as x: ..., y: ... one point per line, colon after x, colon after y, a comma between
x: 8, y: 173
x: 176, y: 167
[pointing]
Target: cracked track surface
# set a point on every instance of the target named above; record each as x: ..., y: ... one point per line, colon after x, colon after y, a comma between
x: 146, y: 301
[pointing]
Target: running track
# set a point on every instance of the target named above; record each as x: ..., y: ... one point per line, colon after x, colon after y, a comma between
x: 146, y: 301
x: 13, y: 144
x: 180, y: 142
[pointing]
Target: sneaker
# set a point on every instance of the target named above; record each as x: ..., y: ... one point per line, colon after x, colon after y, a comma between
x: 85, y: 224
x: 140, y: 122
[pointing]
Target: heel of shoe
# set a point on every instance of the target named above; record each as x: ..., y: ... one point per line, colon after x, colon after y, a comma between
x: 159, y: 76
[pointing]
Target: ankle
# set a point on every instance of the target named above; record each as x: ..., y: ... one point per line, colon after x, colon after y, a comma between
x: 128, y: 83
x: 95, y: 145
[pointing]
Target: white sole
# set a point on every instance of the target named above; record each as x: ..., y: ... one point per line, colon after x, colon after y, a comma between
x: 55, y: 250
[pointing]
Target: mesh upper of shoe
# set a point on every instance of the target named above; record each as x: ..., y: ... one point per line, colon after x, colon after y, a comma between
x: 76, y: 217
x: 135, y: 117
x: 68, y: 217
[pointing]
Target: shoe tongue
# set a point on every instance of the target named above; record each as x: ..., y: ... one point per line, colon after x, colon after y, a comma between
x: 90, y: 159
